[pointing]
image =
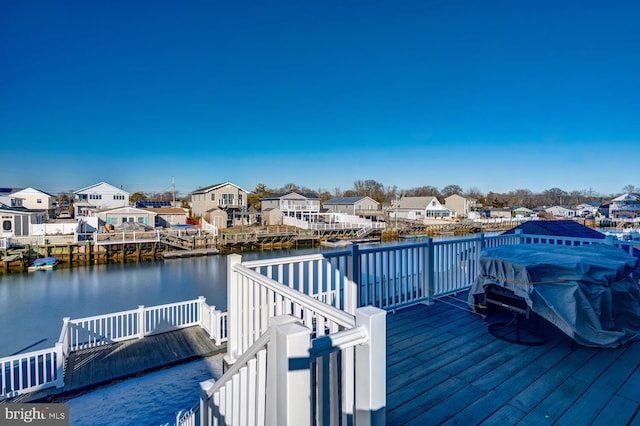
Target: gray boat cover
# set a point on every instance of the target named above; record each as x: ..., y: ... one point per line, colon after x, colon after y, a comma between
x: 589, y: 292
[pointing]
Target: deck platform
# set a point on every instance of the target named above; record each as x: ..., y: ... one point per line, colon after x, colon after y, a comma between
x: 91, y: 368
x: 443, y: 367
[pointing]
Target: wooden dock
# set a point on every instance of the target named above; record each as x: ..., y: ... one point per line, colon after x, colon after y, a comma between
x: 173, y: 254
x: 91, y: 368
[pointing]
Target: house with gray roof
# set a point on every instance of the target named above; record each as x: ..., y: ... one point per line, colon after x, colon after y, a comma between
x: 208, y: 201
x: 421, y: 208
x: 301, y: 206
x: 357, y: 206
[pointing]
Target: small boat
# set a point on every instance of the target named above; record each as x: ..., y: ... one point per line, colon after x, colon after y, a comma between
x: 43, y: 263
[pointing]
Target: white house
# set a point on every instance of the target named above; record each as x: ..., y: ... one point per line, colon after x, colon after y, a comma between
x: 420, y: 208
x: 625, y: 206
x: 560, y: 211
x: 34, y: 199
x: 16, y: 221
x: 587, y: 209
x: 98, y: 197
x: 120, y: 216
x: 303, y: 206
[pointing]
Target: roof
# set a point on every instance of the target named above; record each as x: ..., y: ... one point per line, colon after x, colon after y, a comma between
x: 165, y: 210
x: 98, y: 184
x: 415, y: 202
x: 561, y: 228
x: 32, y: 190
x: 346, y: 200
x: 205, y: 189
x: 308, y: 195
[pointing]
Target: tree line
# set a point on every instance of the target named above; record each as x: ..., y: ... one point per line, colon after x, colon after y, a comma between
x: 387, y: 194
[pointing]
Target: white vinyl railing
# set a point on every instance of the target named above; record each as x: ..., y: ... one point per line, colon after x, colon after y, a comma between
x: 254, y: 298
x: 41, y: 369
x: 31, y: 372
x: 263, y: 387
x: 126, y: 237
x: 208, y: 227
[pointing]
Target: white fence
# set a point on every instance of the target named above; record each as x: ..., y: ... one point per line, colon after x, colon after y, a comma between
x: 42, y: 369
x: 271, y: 324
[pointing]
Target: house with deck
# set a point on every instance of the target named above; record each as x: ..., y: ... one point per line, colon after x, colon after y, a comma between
x: 300, y: 206
x: 362, y: 206
x: 98, y: 197
x: 626, y: 206
x: 420, y: 209
x: 209, y: 201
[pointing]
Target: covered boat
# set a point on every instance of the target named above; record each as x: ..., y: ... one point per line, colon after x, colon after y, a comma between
x: 44, y: 263
x: 589, y: 292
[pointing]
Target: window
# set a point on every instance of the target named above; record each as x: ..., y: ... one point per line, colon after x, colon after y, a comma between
x: 227, y: 199
x: 118, y: 197
x: 39, y: 201
x: 213, y: 196
x: 6, y: 225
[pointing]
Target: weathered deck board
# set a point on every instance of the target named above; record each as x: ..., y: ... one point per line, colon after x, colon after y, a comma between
x: 443, y: 367
x: 107, y: 363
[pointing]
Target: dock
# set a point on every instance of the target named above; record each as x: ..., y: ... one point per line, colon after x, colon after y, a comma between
x: 173, y: 254
x: 89, y: 369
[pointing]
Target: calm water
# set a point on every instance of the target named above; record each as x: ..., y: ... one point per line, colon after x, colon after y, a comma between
x: 34, y: 304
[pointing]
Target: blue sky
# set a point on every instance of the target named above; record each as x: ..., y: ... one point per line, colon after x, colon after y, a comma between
x: 494, y: 95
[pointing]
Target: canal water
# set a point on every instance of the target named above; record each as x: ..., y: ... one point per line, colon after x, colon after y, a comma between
x: 34, y: 304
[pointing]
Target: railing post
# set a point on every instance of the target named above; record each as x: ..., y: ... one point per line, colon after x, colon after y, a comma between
x: 291, y: 341
x: 352, y: 284
x: 370, y: 364
x: 233, y: 308
x: 609, y: 239
x: 430, y: 270
x: 205, y: 411
x: 202, y: 315
x: 141, y: 322
x: 60, y: 362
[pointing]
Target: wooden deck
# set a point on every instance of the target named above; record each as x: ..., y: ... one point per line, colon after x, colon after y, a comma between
x: 90, y: 368
x: 443, y: 367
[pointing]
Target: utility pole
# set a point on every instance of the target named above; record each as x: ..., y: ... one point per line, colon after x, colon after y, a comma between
x: 173, y: 189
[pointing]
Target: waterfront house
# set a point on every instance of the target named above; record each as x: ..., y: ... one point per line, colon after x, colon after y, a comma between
x: 8, y: 199
x: 462, y: 206
x: 35, y: 199
x: 587, y: 209
x: 421, y: 208
x: 560, y: 211
x: 522, y: 212
x: 98, y: 197
x: 302, y: 206
x: 120, y: 216
x: 17, y: 221
x: 216, y: 201
x: 168, y: 216
x: 362, y: 206
x: 626, y: 206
